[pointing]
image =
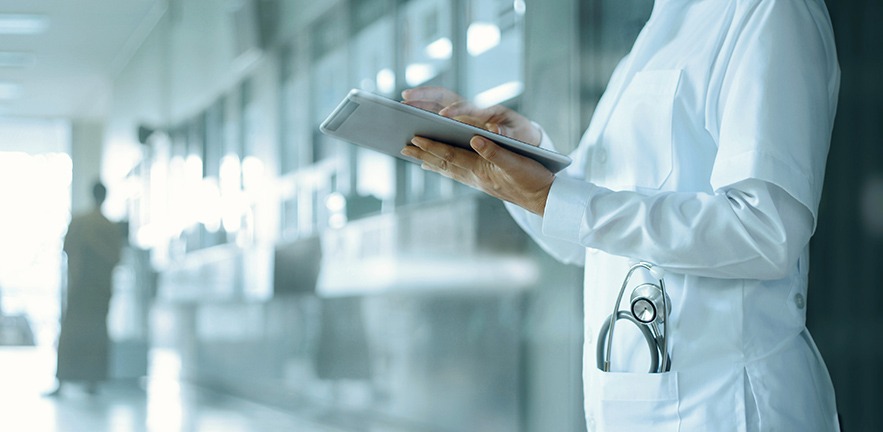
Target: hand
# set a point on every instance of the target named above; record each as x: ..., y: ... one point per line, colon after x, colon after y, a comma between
x: 491, y: 169
x: 497, y: 118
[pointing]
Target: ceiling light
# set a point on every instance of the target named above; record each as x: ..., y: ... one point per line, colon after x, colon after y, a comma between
x: 23, y: 24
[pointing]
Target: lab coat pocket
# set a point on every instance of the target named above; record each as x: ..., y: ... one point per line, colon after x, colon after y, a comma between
x: 636, y: 146
x: 638, y: 401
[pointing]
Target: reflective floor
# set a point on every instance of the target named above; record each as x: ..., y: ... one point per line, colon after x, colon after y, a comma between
x: 160, y: 404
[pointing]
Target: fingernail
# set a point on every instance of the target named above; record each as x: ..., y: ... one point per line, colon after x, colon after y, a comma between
x: 478, y: 143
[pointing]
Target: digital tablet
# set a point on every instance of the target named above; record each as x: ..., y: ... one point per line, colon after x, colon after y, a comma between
x: 387, y: 126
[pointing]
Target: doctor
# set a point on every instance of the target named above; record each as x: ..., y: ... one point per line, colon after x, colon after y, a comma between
x: 706, y: 157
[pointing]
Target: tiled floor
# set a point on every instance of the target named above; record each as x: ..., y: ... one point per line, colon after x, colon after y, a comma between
x: 156, y: 405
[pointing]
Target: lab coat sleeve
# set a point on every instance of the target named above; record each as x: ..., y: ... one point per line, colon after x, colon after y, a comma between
x: 774, y: 102
x: 752, y: 230
x: 564, y: 250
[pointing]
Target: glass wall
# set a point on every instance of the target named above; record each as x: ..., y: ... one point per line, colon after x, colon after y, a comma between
x: 494, y: 72
x: 475, y: 47
x: 386, y: 295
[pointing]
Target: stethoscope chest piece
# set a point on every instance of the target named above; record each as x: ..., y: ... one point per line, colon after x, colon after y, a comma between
x: 646, y: 301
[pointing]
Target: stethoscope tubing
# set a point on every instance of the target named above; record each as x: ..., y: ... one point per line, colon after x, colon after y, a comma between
x: 653, y: 341
x: 600, y: 351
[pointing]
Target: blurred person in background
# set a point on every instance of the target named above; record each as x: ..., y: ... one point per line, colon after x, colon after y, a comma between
x: 705, y: 157
x: 93, y: 245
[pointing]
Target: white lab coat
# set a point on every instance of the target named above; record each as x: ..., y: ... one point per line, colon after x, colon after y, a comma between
x: 706, y: 157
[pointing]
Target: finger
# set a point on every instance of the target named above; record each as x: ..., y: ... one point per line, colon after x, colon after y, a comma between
x: 413, y: 152
x: 446, y: 111
x: 433, y: 163
x: 479, y: 122
x: 451, y: 155
x: 494, y: 114
x: 426, y: 159
x: 496, y: 155
x: 454, y: 172
x: 425, y: 105
x: 463, y: 108
x: 439, y: 95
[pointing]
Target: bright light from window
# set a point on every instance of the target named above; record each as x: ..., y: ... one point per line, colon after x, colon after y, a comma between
x: 376, y: 175
x: 335, y: 202
x: 233, y: 209
x: 164, y: 406
x: 419, y: 73
x: 35, y: 174
x: 499, y: 94
x: 336, y: 205
x: 36, y: 200
x: 481, y: 37
x: 230, y: 184
x: 441, y: 49
x: 194, y: 167
x: 178, y: 198
x: 252, y: 172
x: 207, y: 204
x: 386, y: 81
x: 192, y: 188
x: 230, y: 175
x: 148, y: 235
x: 37, y: 188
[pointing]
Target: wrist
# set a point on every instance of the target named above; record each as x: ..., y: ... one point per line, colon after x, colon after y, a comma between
x: 541, y: 198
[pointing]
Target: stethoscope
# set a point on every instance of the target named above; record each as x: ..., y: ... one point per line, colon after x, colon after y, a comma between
x: 650, y: 307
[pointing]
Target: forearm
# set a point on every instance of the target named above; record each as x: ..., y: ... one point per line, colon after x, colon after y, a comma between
x: 753, y: 230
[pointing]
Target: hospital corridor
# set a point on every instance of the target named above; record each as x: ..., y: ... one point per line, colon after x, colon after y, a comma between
x: 253, y: 215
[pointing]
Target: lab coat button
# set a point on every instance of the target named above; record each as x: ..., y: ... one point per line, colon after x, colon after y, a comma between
x: 799, y: 301
x: 590, y: 422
